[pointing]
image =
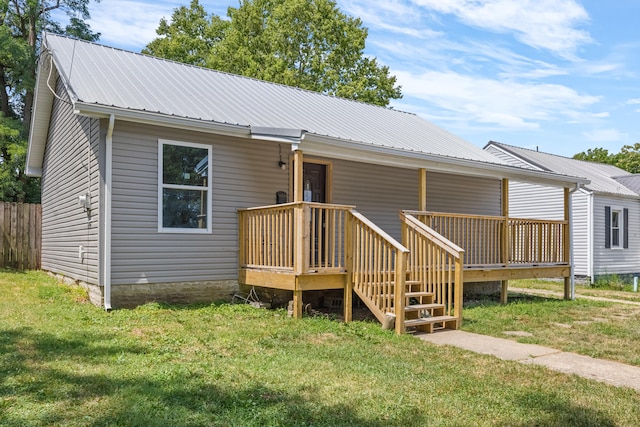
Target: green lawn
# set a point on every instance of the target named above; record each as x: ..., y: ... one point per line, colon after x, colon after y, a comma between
x: 66, y: 362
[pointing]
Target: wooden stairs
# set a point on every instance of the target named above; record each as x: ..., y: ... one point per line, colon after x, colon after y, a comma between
x: 422, y: 314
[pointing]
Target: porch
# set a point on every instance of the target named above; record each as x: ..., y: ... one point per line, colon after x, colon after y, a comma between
x: 303, y: 246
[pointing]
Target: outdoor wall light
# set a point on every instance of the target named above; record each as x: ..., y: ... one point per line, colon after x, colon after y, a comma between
x: 282, y: 165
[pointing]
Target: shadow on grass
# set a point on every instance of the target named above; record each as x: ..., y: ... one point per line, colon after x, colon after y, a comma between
x: 36, y: 391
x: 558, y: 412
x: 514, y: 298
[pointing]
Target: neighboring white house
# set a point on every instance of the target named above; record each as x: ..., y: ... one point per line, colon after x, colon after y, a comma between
x: 605, y: 212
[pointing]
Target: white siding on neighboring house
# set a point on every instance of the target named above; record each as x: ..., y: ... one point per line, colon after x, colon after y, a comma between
x: 244, y: 174
x: 581, y: 223
x: 615, y: 260
x: 509, y: 158
x: 70, y: 169
x: 535, y: 201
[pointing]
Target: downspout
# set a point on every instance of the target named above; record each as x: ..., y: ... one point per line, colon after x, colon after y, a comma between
x: 107, y: 214
x: 573, y: 279
x: 590, y: 231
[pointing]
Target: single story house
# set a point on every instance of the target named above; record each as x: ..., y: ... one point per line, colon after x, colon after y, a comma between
x: 164, y: 181
x: 605, y: 213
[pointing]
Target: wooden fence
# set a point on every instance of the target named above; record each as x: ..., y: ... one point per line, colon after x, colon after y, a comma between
x: 21, y: 229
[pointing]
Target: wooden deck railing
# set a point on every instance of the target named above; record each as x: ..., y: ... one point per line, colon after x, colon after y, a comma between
x: 378, y: 269
x: 435, y: 263
x: 499, y: 240
x: 300, y: 237
x: 535, y: 241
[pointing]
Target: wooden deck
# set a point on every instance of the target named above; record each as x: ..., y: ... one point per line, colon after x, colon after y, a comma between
x: 305, y: 246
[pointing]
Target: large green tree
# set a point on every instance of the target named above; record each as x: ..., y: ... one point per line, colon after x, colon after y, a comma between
x: 309, y: 44
x: 21, y: 24
x: 628, y: 158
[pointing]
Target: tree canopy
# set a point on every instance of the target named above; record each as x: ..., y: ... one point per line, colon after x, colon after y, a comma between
x: 21, y: 23
x: 628, y: 158
x: 309, y: 44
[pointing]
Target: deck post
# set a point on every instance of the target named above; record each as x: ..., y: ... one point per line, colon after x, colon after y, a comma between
x: 422, y: 188
x: 298, y: 166
x: 299, y: 231
x: 459, y: 289
x: 348, y: 286
x: 566, y: 240
x: 504, y: 241
x: 399, y: 290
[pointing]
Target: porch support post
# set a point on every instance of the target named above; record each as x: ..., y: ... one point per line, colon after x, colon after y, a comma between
x: 299, y: 232
x: 566, y: 240
x: 422, y: 188
x: 348, y: 286
x: 298, y: 165
x: 504, y: 240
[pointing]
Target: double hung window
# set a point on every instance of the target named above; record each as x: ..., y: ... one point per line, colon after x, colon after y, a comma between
x: 184, y: 187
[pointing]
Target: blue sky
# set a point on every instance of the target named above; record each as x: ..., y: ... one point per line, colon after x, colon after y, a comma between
x: 561, y: 75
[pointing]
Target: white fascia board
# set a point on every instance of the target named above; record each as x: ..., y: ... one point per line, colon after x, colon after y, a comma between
x: 359, y: 152
x: 158, y: 119
x: 39, y: 129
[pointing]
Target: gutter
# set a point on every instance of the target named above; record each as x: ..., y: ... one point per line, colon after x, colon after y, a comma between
x: 106, y: 250
x: 357, y: 151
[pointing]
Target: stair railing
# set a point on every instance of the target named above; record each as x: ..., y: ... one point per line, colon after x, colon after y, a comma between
x: 377, y: 269
x: 435, y: 263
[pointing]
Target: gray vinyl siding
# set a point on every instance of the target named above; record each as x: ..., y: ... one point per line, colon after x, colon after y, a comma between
x: 580, y: 224
x: 378, y: 192
x: 616, y: 261
x: 463, y: 194
x: 70, y: 168
x: 244, y: 174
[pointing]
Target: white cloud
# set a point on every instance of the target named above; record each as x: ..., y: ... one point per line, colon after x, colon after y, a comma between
x: 130, y: 24
x: 604, y: 135
x: 633, y: 101
x: 508, y: 104
x: 543, y: 24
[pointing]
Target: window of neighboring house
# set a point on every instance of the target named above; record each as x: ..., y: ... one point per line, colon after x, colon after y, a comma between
x: 184, y: 187
x: 616, y: 227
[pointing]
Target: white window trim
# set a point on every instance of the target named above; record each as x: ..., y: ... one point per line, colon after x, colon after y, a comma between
x: 161, y: 186
x: 620, y: 211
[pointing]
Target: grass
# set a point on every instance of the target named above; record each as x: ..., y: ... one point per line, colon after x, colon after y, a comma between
x: 594, y: 328
x: 66, y: 362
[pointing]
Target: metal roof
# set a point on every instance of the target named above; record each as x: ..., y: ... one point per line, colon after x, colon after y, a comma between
x: 602, y: 176
x: 101, y: 79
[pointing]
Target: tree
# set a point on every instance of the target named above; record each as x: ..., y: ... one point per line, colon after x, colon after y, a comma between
x: 189, y: 37
x: 599, y: 155
x: 304, y: 43
x: 21, y: 23
x: 628, y: 158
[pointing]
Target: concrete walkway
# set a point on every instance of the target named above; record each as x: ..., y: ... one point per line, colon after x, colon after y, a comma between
x: 614, y: 373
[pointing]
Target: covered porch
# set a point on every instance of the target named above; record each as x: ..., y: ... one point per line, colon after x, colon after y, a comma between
x: 416, y: 280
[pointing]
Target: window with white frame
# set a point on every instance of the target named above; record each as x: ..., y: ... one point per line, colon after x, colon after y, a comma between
x: 616, y: 227
x: 184, y: 187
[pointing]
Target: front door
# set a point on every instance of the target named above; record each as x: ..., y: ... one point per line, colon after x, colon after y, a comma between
x: 314, y: 179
